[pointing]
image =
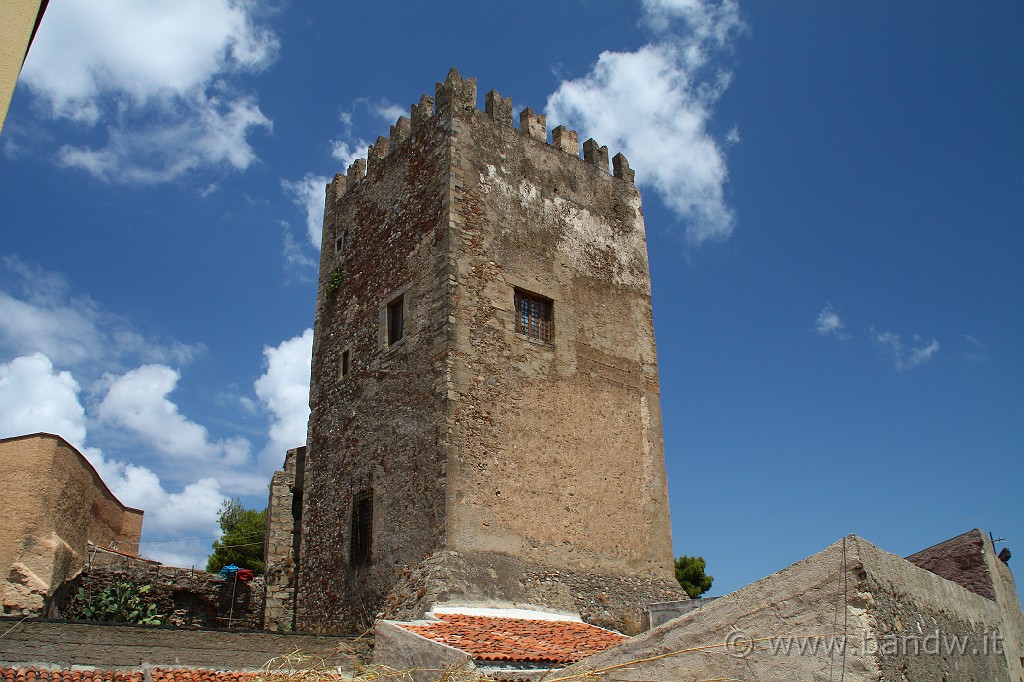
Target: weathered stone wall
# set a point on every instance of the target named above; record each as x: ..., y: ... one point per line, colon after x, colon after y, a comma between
x: 284, y: 530
x: 494, y: 579
x: 557, y: 447
x: 1009, y: 605
x: 54, y: 504
x: 960, y: 559
x: 185, y: 597
x: 114, y: 645
x: 17, y: 21
x: 525, y: 458
x: 970, y: 561
x: 380, y: 428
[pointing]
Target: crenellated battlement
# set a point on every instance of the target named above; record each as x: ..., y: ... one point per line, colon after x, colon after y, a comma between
x: 457, y: 96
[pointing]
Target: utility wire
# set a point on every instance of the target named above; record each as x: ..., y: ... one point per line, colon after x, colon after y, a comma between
x: 206, y: 537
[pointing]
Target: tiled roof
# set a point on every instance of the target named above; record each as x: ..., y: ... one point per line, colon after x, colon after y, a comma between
x: 44, y: 675
x: 488, y: 638
x: 179, y: 675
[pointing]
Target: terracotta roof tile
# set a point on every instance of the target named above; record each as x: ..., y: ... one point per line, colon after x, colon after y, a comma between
x: 58, y: 675
x: 488, y: 638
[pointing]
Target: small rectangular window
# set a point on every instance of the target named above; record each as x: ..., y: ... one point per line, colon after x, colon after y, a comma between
x: 362, y: 528
x: 340, y: 243
x: 396, y: 321
x: 534, y: 317
x: 344, y: 368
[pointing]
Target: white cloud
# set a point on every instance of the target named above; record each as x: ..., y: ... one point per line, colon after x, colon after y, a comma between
x: 203, y: 132
x: 347, y: 152
x: 347, y: 147
x: 977, y: 350
x: 295, y: 254
x: 137, y: 401
x: 72, y: 331
x: 193, y: 510
x: 284, y: 391
x: 904, y: 358
x: 308, y: 194
x: 157, y: 76
x: 35, y: 398
x: 710, y: 22
x: 829, y: 323
x: 68, y: 333
x: 654, y: 105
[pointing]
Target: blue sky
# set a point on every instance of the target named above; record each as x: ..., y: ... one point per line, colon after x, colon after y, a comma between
x: 833, y: 195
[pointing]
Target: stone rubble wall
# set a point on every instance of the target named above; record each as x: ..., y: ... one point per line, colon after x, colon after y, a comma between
x: 185, y: 597
x: 960, y: 559
x: 280, y: 560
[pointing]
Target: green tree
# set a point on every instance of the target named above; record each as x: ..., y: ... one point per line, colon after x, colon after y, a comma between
x: 691, y: 576
x: 241, y: 541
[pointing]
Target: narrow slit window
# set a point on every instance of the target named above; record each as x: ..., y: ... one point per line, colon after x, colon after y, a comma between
x: 534, y: 317
x: 362, y: 529
x: 396, y: 320
x: 345, y: 366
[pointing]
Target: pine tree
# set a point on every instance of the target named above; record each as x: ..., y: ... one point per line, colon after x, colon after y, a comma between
x: 242, y: 535
x: 690, y: 574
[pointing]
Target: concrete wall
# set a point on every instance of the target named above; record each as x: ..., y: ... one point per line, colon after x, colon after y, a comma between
x: 901, y: 623
x: 129, y: 646
x: 1010, y: 608
x: 410, y: 656
x: 17, y: 20
x: 54, y: 505
x: 512, y: 469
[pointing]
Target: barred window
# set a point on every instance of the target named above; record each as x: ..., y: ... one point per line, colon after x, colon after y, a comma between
x: 362, y: 528
x: 534, y: 316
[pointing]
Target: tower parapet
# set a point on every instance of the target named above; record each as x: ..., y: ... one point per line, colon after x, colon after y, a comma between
x: 499, y: 108
x: 456, y: 96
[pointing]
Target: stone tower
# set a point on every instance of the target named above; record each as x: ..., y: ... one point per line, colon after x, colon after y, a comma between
x: 485, y: 425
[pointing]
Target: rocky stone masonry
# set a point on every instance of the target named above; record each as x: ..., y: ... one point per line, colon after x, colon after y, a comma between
x: 283, y: 531
x: 500, y: 456
x: 960, y: 559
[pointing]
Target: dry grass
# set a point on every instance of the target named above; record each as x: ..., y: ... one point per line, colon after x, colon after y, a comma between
x: 349, y: 663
